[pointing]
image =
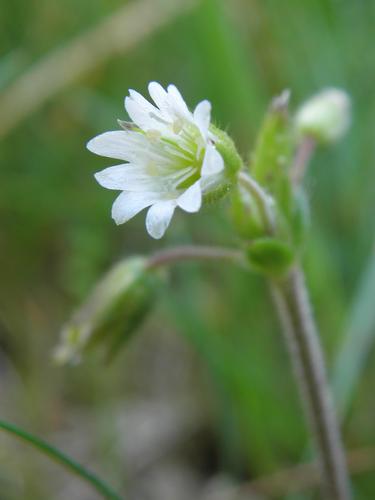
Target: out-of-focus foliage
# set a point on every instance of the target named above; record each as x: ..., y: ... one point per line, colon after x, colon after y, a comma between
x: 213, y: 340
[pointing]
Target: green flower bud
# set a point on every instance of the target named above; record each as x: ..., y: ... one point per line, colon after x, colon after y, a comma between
x: 263, y: 200
x: 112, y: 311
x: 271, y: 159
x: 270, y: 256
x: 325, y: 116
x: 273, y: 150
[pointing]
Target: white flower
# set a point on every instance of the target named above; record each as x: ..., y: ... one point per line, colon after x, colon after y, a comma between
x: 170, y: 156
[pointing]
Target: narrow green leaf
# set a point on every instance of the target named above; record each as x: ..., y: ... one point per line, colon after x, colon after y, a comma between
x: 59, y: 457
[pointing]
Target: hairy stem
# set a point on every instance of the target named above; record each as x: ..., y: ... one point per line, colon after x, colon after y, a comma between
x: 101, y: 487
x: 293, y: 306
x: 194, y: 252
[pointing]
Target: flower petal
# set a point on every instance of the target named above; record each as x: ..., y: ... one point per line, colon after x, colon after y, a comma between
x: 129, y: 146
x: 177, y: 103
x: 158, y: 95
x: 158, y: 218
x: 191, y: 199
x: 128, y: 177
x: 213, y: 162
x: 202, y: 117
x: 112, y: 144
x: 112, y: 177
x: 127, y: 205
x: 143, y: 113
x: 142, y: 101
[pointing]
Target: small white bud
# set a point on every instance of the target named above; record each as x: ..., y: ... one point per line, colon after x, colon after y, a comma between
x: 325, y: 116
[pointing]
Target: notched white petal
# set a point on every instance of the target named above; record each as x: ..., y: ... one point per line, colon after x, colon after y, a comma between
x: 141, y: 101
x: 191, y: 199
x: 142, y: 112
x: 158, y: 95
x: 137, y: 114
x: 213, y: 162
x: 159, y: 217
x: 177, y: 103
x: 127, y: 205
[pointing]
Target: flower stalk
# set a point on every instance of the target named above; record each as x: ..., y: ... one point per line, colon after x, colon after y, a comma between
x: 293, y: 306
x: 194, y: 252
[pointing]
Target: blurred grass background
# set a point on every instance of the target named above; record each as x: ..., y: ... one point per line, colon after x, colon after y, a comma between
x: 212, y: 343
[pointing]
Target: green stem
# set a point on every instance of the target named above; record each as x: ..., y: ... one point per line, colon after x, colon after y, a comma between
x: 59, y: 457
x: 293, y: 306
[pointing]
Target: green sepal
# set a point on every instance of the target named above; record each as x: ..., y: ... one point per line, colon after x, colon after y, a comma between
x: 217, y: 193
x: 226, y: 147
x: 112, y: 312
x: 270, y: 256
x: 223, y: 184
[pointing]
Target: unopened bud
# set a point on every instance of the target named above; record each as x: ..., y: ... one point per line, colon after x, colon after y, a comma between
x: 111, y: 313
x: 325, y: 116
x: 272, y: 155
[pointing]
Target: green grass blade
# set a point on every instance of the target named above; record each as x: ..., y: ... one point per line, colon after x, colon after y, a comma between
x: 360, y: 335
x: 59, y: 457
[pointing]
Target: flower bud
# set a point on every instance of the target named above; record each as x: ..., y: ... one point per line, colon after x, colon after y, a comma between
x: 273, y: 149
x: 272, y: 155
x: 325, y: 116
x: 270, y: 256
x: 111, y: 313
